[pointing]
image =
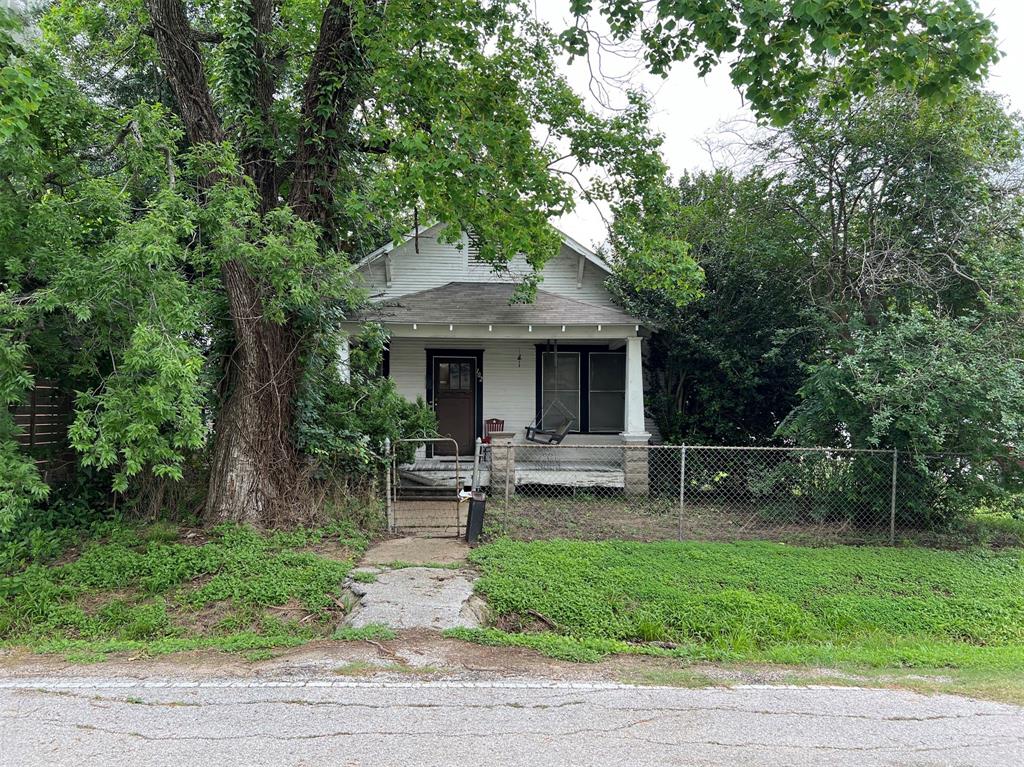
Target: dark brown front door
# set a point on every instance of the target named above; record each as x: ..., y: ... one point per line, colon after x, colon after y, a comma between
x: 455, y: 403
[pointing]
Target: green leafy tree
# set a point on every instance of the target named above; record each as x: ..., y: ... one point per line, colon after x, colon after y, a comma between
x: 863, y: 289
x: 902, y: 200
x: 912, y: 236
x: 724, y: 368
x: 913, y: 259
x: 780, y: 51
x: 191, y: 240
x: 922, y: 382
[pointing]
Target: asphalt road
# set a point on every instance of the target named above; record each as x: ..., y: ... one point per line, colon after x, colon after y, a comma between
x: 340, y: 722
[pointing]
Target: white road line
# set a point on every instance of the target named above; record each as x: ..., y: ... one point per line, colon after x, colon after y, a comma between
x: 180, y: 684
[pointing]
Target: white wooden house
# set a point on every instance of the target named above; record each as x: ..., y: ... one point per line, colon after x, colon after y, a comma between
x: 571, y: 357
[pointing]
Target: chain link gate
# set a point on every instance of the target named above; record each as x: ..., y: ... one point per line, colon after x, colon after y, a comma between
x: 431, y: 509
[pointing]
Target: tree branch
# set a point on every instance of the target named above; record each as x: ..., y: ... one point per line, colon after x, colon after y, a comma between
x: 183, y: 65
x: 199, y: 35
x: 329, y: 97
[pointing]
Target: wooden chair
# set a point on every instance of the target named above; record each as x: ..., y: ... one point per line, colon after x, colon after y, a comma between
x: 492, y: 425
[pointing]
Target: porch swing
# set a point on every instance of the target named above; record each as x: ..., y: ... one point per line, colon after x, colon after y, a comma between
x: 535, y: 432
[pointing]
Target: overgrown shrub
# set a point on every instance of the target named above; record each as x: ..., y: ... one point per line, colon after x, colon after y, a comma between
x: 344, y: 425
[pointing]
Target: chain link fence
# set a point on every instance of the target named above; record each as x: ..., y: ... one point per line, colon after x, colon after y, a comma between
x: 645, y: 492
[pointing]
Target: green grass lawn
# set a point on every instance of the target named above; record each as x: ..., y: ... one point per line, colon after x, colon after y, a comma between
x: 761, y: 602
x: 156, y: 589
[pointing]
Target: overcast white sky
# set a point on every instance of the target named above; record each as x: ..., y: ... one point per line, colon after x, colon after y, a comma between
x: 687, y: 108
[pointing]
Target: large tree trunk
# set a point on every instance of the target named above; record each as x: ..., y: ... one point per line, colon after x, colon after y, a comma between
x: 257, y: 473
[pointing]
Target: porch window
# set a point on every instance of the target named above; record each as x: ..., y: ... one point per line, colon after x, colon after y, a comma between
x: 607, y: 392
x: 560, y: 389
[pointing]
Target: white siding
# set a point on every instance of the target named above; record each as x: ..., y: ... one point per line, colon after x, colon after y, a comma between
x: 439, y: 263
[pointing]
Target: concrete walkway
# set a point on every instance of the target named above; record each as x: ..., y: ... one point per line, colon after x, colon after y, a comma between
x: 412, y: 583
x: 407, y: 723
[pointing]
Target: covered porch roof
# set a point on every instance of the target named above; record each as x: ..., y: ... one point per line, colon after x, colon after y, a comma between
x: 488, y: 304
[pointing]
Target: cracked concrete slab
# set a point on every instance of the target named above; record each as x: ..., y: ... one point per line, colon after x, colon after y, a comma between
x: 417, y: 597
x: 428, y: 597
x: 46, y: 721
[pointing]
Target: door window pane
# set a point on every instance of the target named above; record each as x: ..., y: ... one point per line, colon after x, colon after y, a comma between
x: 607, y: 392
x: 455, y: 376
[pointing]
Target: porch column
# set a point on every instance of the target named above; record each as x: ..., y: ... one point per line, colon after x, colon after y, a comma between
x: 344, y: 368
x: 635, y: 466
x: 635, y: 425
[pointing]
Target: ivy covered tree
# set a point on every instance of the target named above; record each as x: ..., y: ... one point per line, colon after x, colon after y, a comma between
x: 207, y: 173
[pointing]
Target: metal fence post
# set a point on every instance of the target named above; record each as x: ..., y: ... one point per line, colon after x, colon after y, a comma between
x: 508, y: 470
x: 892, y: 501
x: 390, y: 508
x: 682, y: 487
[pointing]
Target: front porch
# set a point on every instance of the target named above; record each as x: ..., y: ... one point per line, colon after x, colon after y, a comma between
x: 595, y: 464
x: 425, y: 494
x: 485, y: 363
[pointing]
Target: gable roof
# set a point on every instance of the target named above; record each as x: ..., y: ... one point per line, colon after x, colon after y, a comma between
x: 479, y: 303
x: 568, y: 241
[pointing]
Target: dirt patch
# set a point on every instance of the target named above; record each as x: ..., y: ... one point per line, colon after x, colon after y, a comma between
x: 204, y: 621
x: 211, y: 618
x: 333, y: 550
x: 193, y: 536
x: 93, y: 601
x: 517, y: 623
x: 67, y: 556
x: 291, y: 611
x: 449, y: 658
x: 417, y: 551
x: 530, y: 517
x: 428, y: 653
